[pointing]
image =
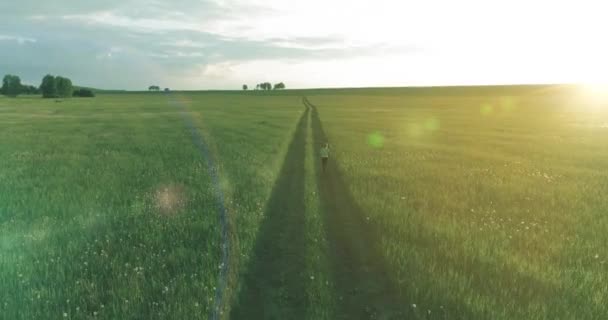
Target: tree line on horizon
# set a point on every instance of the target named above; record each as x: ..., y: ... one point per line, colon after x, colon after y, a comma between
x: 51, y: 87
x: 157, y: 88
x: 266, y: 86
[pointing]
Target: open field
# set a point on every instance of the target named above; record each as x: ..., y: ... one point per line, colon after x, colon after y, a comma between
x: 439, y: 203
x: 106, y: 205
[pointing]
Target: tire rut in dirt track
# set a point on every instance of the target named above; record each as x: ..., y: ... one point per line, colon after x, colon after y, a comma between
x: 274, y: 286
x: 364, y: 289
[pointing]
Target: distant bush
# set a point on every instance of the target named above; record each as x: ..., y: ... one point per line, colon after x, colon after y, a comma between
x: 56, y: 87
x: 64, y: 86
x: 263, y: 86
x: 49, y: 87
x: 11, y: 85
x: 83, y: 93
x: 28, y: 89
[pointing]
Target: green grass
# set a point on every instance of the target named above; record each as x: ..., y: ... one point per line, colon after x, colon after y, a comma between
x: 106, y: 205
x: 488, y: 206
x: 469, y: 203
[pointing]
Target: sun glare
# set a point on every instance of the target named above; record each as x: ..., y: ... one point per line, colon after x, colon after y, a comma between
x: 597, y: 92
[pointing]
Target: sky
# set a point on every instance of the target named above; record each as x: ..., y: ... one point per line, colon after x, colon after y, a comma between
x: 222, y: 44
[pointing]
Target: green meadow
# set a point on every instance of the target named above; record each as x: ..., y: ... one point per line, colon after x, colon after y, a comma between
x: 437, y: 203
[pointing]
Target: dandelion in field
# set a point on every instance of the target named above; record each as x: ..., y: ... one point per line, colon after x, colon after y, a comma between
x: 413, y: 305
x: 95, y: 313
x: 312, y: 277
x: 65, y: 314
x: 597, y: 256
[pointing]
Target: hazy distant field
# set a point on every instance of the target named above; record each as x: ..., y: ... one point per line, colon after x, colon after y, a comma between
x: 458, y: 203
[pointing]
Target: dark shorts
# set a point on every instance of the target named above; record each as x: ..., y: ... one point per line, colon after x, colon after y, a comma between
x: 324, y: 160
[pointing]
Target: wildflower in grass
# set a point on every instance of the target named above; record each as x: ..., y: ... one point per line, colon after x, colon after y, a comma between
x: 65, y: 314
x: 597, y: 256
x: 312, y: 277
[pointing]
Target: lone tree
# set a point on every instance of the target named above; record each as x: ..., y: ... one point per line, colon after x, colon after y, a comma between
x: 11, y: 85
x: 245, y: 87
x: 153, y: 88
x: 49, y: 87
x: 167, y: 90
x: 64, y: 87
x: 279, y: 86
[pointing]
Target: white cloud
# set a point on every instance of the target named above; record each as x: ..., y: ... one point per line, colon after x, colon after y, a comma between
x: 18, y: 39
x: 109, y: 18
x: 320, y: 42
x: 186, y: 43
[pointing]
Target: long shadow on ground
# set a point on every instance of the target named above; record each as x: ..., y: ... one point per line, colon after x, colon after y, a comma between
x: 274, y: 287
x: 363, y: 286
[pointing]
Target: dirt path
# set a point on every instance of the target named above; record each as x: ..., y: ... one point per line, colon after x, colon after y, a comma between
x: 274, y: 287
x: 364, y: 290
x: 275, y: 284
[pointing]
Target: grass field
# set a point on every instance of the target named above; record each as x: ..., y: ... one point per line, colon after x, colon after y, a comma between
x: 438, y: 203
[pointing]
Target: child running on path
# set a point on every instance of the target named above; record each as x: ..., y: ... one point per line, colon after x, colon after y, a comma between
x: 324, y: 155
